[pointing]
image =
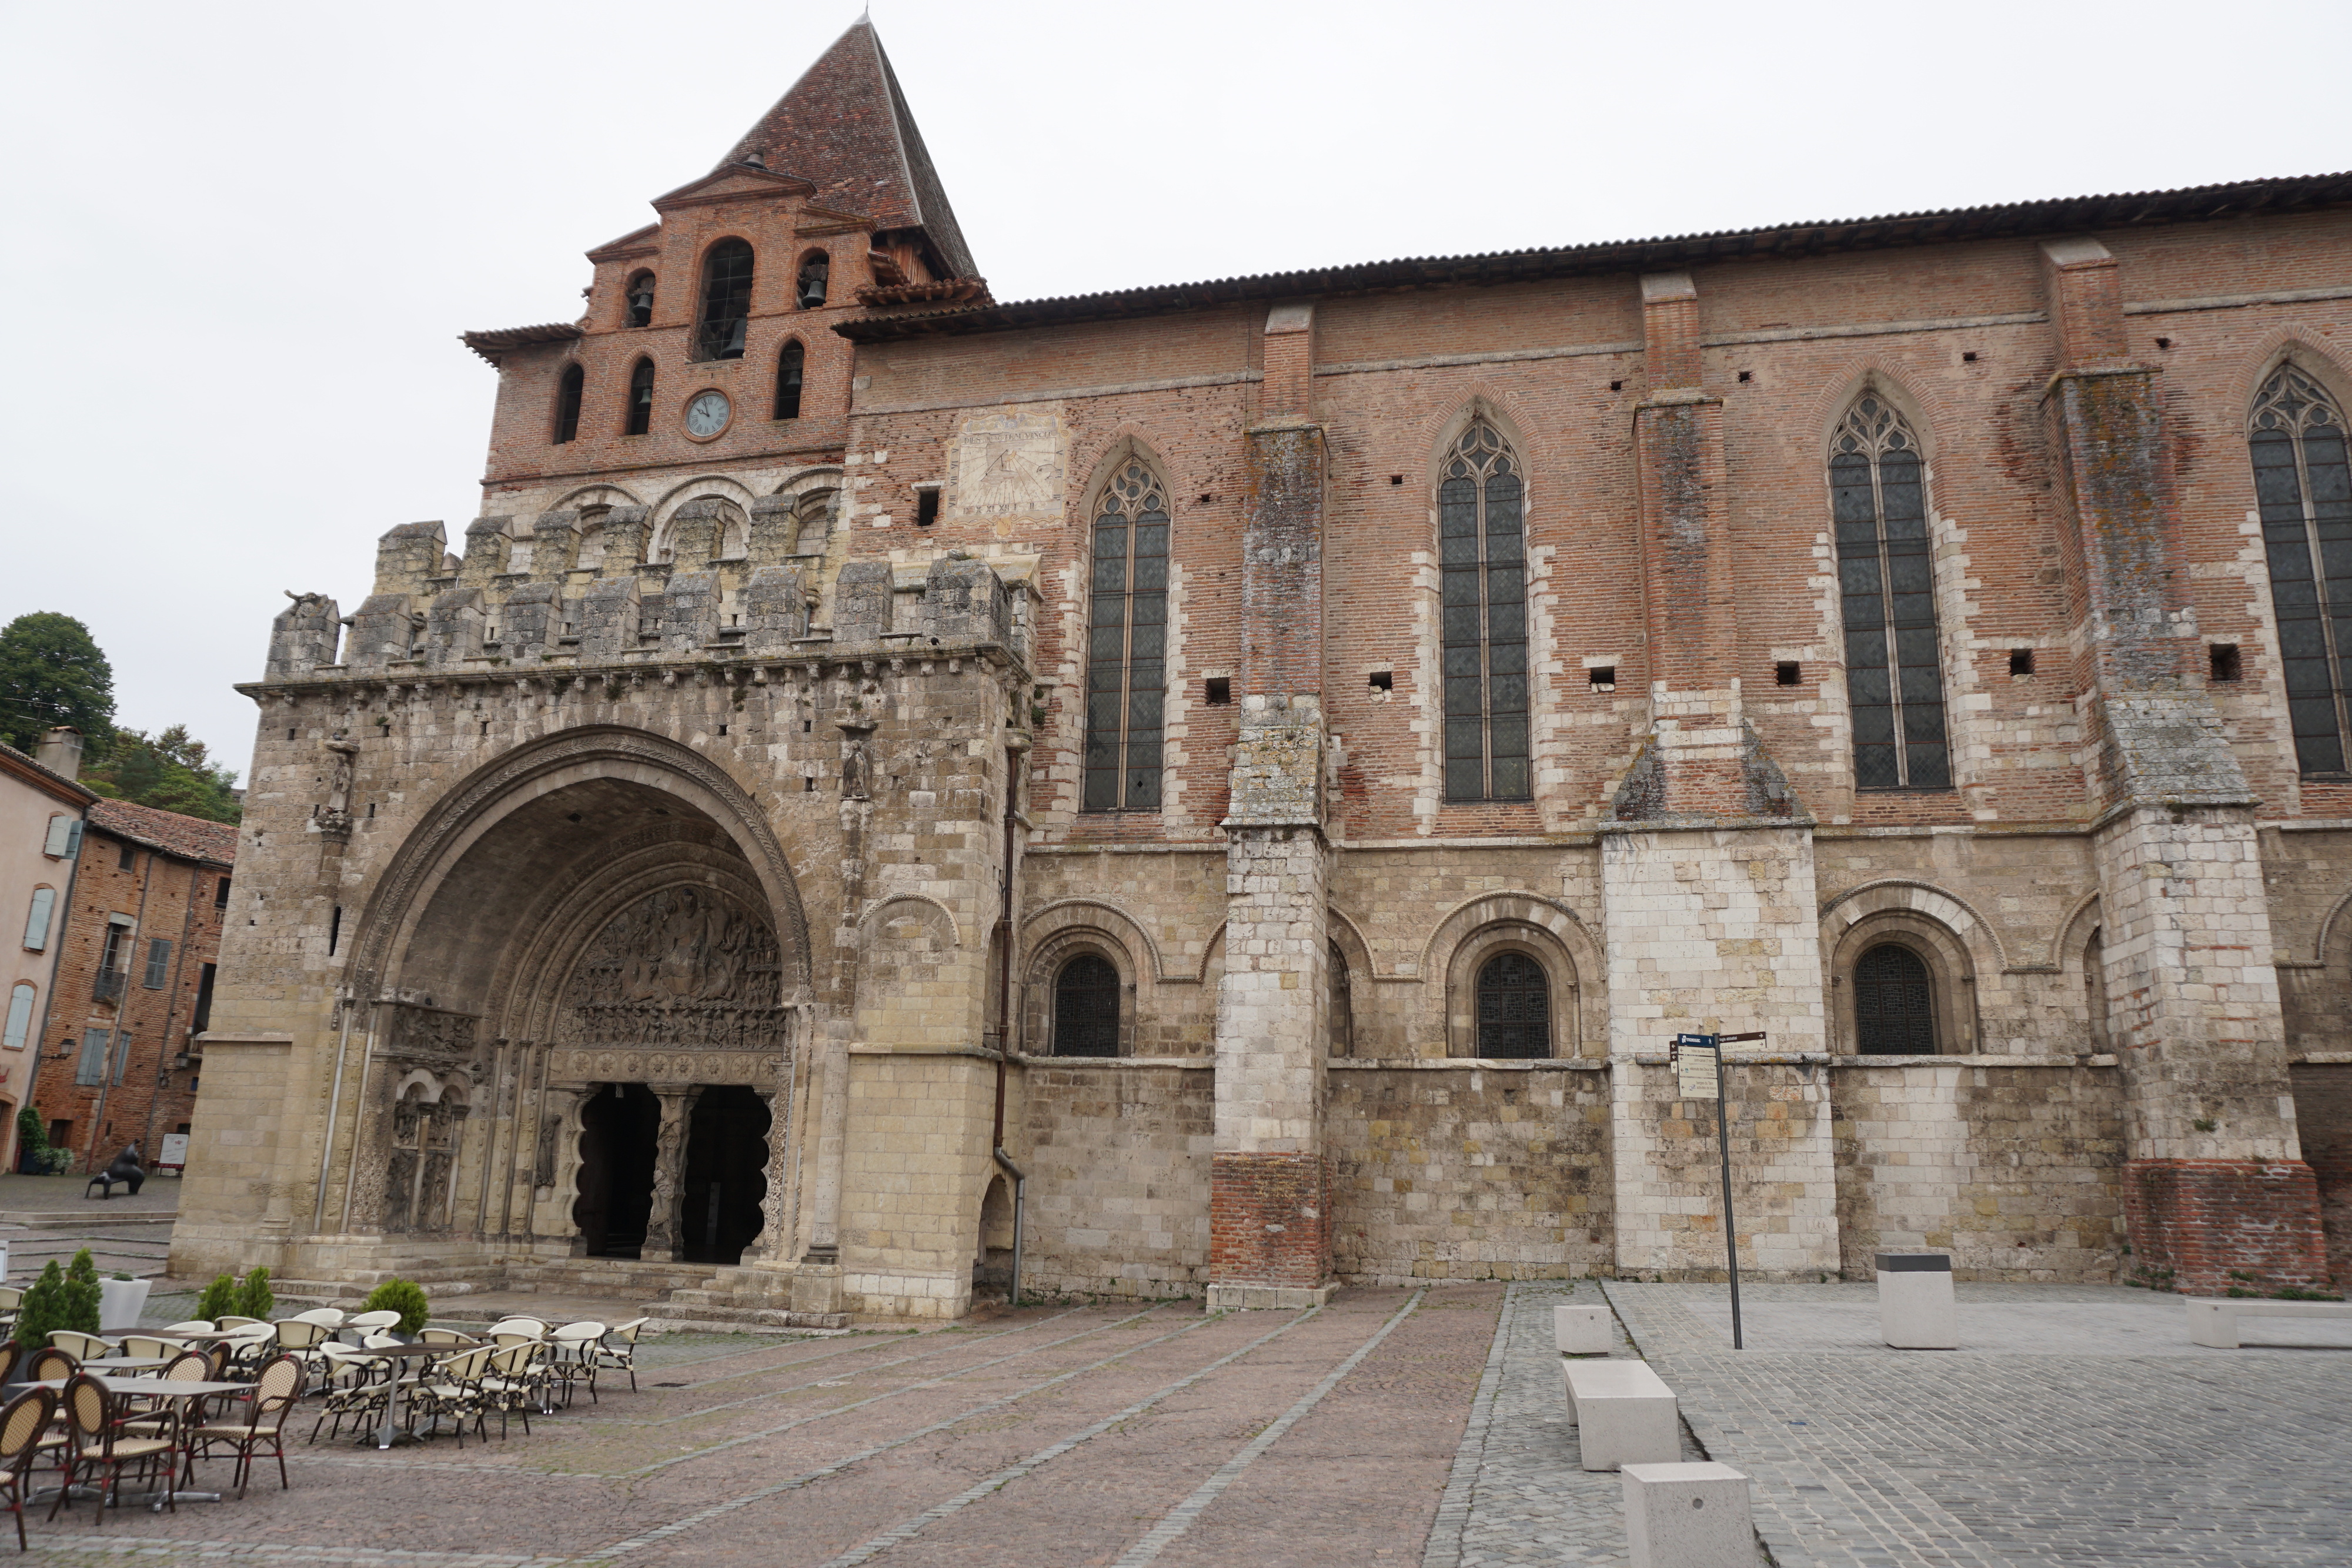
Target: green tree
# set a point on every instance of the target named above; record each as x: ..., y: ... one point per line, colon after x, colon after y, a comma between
x: 218, y: 1301
x: 171, y: 771
x: 81, y: 1294
x: 52, y: 672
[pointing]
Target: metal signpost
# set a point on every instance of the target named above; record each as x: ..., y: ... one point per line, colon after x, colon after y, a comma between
x: 1697, y: 1061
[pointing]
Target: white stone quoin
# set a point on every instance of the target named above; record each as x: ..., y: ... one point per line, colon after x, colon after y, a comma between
x: 1688, y: 1516
x: 1582, y: 1330
x: 1914, y: 1301
x: 1626, y: 1413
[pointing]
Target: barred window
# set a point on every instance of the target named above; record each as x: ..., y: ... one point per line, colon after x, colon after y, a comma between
x: 1085, y: 1007
x: 1887, y: 579
x: 1894, y: 1011
x: 1481, y: 549
x: 2303, y: 486
x: 1126, y: 643
x: 1514, y: 1008
x: 726, y: 301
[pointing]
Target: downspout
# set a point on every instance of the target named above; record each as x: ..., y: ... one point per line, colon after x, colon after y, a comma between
x: 1005, y: 1015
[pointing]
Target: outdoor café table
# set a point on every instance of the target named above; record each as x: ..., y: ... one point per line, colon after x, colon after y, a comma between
x: 158, y: 1388
x: 126, y: 1362
x: 385, y: 1434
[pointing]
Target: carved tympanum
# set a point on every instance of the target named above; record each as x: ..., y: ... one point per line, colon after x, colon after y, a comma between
x: 681, y: 967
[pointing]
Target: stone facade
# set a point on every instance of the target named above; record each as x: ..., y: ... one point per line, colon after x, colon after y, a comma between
x: 711, y: 841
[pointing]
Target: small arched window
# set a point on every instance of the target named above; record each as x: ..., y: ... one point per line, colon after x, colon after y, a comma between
x: 640, y: 300
x: 1514, y: 1008
x: 1342, y: 1005
x: 1482, y: 548
x: 1893, y: 1003
x: 1886, y: 582
x: 726, y: 301
x: 20, y: 1015
x: 2305, y: 490
x: 1126, y: 643
x: 567, y: 403
x: 790, y: 363
x: 641, y: 398
x: 808, y: 289
x: 1085, y: 1007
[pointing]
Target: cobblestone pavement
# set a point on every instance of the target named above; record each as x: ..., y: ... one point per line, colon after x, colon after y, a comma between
x: 2076, y: 1427
x: 1143, y: 1433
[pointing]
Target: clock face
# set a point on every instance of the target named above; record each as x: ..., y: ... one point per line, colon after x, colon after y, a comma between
x: 707, y: 414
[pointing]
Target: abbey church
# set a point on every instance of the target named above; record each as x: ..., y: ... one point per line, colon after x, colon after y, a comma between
x: 1231, y: 789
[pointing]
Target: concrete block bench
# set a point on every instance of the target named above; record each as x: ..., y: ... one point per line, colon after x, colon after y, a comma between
x: 1624, y: 1413
x: 1584, y: 1330
x: 1916, y: 1309
x: 1688, y: 1516
x: 2214, y: 1320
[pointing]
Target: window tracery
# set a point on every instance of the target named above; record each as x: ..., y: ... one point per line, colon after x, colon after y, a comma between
x: 1126, y: 642
x: 2304, y: 490
x: 1887, y: 585
x: 1482, y: 550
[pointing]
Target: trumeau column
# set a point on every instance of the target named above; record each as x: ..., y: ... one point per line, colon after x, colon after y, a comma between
x: 1707, y: 891
x: 1270, y: 1191
x: 2214, y: 1179
x: 662, y: 1237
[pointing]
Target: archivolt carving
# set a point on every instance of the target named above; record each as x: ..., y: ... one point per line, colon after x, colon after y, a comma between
x: 448, y: 821
x: 681, y: 967
x: 874, y: 911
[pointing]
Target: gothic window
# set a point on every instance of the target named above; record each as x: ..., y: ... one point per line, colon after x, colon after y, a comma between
x: 1480, y: 500
x: 1886, y: 580
x: 1085, y: 1007
x: 726, y: 301
x: 789, y: 366
x: 640, y: 296
x: 2302, y: 487
x: 1893, y: 1006
x: 808, y: 289
x: 1126, y: 643
x: 567, y: 403
x: 1514, y: 1008
x: 641, y: 398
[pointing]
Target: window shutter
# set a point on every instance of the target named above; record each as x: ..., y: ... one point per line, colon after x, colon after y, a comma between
x: 91, y: 1071
x: 158, y: 963
x: 122, y: 1056
x: 61, y: 840
x: 36, y: 922
x: 20, y: 1015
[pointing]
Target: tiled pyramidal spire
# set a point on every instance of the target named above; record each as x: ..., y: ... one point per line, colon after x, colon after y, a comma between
x: 846, y: 127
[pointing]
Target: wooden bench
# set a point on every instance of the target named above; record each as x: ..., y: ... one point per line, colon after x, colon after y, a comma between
x: 2213, y: 1321
x: 1626, y: 1413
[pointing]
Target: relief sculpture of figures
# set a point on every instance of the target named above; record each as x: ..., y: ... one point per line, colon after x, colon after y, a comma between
x: 681, y: 965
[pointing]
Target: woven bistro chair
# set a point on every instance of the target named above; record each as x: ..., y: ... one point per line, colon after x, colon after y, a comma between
x: 534, y: 1326
x: 573, y: 1358
x: 327, y: 1317
x: 452, y: 1386
x: 516, y: 1382
x: 231, y: 1321
x: 50, y: 1365
x: 101, y: 1445
x: 449, y: 1337
x: 366, y: 1384
x: 359, y: 1325
x: 12, y: 1357
x: 617, y: 1351
x: 260, y: 1423
x: 79, y: 1345
x: 194, y: 1325
x: 23, y: 1427
x: 190, y: 1366
x: 147, y: 1344
x: 11, y: 1298
x: 305, y: 1340
x: 255, y: 1344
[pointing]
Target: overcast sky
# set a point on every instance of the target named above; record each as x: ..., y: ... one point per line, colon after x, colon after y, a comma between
x: 248, y: 234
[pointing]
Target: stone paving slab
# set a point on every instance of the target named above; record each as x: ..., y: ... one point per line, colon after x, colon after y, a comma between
x: 2072, y: 1434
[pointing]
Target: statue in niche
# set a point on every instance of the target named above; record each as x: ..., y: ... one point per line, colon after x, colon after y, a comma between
x: 681, y: 967
x: 857, y: 761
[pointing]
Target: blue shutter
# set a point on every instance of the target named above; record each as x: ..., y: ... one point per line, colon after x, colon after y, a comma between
x: 20, y: 1015
x: 36, y: 922
x: 91, y: 1071
x: 158, y: 963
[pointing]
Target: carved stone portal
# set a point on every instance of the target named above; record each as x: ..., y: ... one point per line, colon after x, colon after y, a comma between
x: 681, y: 967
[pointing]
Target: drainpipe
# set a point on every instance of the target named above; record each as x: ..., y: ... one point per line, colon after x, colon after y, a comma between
x: 1020, y: 1182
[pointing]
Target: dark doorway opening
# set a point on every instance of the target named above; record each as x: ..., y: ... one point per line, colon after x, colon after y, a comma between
x: 620, y: 1129
x: 726, y: 1175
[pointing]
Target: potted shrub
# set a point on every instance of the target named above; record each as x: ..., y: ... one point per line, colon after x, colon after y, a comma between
x: 254, y: 1298
x: 219, y: 1300
x: 43, y: 1308
x: 405, y: 1297
x: 120, y: 1301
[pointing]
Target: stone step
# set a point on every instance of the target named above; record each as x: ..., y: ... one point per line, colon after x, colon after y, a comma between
x: 79, y: 1219
x: 743, y: 1319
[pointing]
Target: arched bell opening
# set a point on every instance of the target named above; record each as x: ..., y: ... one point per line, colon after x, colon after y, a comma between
x: 620, y: 1134
x: 726, y: 1175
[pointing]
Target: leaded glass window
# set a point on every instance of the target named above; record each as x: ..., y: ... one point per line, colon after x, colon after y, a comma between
x: 1481, y: 546
x: 1085, y: 1007
x: 1513, y: 1008
x: 1894, y: 1010
x: 2304, y: 490
x: 1887, y: 579
x: 1126, y: 643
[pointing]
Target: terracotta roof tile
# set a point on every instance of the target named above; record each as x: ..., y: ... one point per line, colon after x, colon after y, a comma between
x: 190, y: 837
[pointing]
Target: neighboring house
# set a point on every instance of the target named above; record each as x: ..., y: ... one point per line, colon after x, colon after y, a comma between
x: 135, y: 981
x: 41, y: 810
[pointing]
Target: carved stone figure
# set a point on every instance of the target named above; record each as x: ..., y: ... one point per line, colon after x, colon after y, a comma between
x: 681, y: 967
